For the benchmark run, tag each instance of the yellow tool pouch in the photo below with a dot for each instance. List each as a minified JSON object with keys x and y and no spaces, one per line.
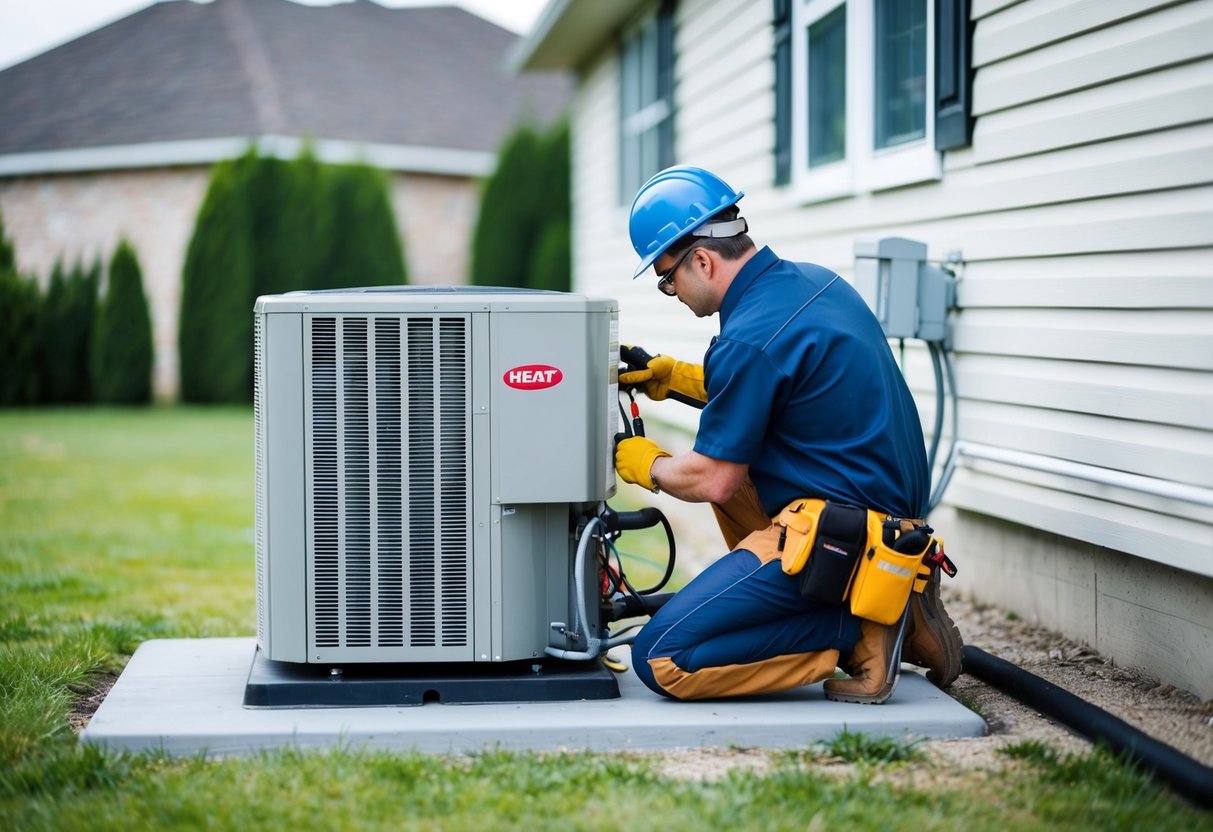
{"x":799,"y":528}
{"x":886,"y":575}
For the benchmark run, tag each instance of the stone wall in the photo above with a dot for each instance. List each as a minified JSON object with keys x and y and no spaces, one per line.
{"x":82,"y":216}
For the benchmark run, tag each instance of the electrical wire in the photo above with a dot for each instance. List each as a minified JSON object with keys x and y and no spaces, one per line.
{"x":949,"y":467}
{"x":593,"y":643}
{"x":623,"y":585}
{"x":936,"y":433}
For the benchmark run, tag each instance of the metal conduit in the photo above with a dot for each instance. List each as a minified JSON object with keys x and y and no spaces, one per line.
{"x":1105,"y":476}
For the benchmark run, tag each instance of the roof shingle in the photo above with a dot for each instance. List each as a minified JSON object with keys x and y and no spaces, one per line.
{"x":177,"y":70}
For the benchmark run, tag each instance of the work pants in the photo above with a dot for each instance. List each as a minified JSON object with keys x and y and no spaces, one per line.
{"x":741,"y":626}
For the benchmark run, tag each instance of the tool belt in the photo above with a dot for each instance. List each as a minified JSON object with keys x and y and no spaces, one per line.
{"x":849,"y":554}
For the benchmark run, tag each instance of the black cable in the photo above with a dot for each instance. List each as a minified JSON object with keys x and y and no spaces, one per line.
{"x":626,"y":433}
{"x":1189,"y":777}
{"x":669,"y":564}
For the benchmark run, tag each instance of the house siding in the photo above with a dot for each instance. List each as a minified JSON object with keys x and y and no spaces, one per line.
{"x":82,"y":216}
{"x":1084,"y":213}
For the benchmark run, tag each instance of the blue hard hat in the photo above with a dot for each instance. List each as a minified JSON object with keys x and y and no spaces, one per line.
{"x":672,"y":204}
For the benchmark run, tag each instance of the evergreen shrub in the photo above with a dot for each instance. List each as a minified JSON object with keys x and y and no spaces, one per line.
{"x":507,"y":225}
{"x":69,"y":309}
{"x":20,"y":330}
{"x":551,"y":264}
{"x":20,"y":353}
{"x":300,"y":243}
{"x":121,"y":352}
{"x":365,"y":248}
{"x":522,"y":235}
{"x":215,"y":335}
{"x":269,"y":226}
{"x":56,"y":373}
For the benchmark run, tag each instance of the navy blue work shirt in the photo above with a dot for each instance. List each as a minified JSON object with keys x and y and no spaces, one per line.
{"x":802,"y":387}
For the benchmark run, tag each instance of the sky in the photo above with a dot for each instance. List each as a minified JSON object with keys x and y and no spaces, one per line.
{"x":29,"y":27}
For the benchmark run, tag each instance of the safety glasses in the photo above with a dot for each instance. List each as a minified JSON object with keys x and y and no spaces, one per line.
{"x":665,"y":280}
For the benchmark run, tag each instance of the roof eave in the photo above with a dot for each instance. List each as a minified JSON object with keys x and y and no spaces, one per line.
{"x":395,"y":157}
{"x":568,"y":32}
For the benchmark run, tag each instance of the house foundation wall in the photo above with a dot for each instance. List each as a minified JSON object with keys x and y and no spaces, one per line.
{"x":1136,"y":612}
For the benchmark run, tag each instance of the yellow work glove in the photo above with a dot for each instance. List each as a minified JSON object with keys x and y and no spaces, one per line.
{"x":634,"y":458}
{"x":664,"y":376}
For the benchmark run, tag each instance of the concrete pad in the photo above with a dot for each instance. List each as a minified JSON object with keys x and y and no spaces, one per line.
{"x":184,"y":696}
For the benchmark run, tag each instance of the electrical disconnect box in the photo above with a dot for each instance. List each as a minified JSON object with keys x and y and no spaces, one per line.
{"x":910,"y":296}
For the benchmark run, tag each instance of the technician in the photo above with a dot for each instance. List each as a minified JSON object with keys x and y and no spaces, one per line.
{"x":803,"y":400}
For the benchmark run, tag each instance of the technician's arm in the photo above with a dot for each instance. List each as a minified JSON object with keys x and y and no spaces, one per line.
{"x":697,"y":478}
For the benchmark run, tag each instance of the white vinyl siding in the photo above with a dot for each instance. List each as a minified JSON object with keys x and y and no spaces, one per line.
{"x":1084,"y":212}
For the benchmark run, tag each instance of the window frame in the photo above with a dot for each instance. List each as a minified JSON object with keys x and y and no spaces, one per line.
{"x":863,"y":169}
{"x":656,"y":117}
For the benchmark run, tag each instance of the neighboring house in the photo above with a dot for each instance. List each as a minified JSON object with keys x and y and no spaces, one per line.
{"x":1065,"y":149}
{"x":114,"y":134}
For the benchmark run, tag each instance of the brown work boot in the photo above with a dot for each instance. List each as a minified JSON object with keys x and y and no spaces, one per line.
{"x":872,"y":674}
{"x":932,"y":640}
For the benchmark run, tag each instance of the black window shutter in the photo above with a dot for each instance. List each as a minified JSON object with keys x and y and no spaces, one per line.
{"x":665,"y":81}
{"x":783,"y":91}
{"x":953,"y":75}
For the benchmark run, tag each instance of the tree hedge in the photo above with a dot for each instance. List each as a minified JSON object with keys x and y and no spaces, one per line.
{"x":8,"y":257}
{"x":68,"y":311}
{"x":121,"y":350}
{"x":365,"y":248}
{"x":56,"y":373}
{"x":215,"y":334}
{"x":263,"y":182}
{"x":304,"y":228}
{"x":20,"y":321}
{"x":507,"y":224}
{"x":551,"y":264}
{"x":269,"y":226}
{"x":522,"y":235}
{"x":20,"y":330}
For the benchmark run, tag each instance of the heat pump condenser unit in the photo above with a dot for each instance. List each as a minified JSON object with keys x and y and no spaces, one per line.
{"x":422,"y":454}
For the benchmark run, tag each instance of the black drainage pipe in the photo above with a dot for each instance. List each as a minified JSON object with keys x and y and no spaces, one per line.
{"x":1189,"y":777}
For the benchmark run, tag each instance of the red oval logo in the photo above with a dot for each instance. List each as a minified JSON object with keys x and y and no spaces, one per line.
{"x":532,"y":377}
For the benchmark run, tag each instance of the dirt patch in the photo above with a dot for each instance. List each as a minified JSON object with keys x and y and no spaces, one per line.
{"x":1172,"y":716}
{"x":88,"y":700}
{"x":1166,"y":713}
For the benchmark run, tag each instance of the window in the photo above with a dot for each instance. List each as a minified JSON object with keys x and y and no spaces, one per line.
{"x":828,"y":89}
{"x":862,"y":96}
{"x":901,"y":72}
{"x":646,"y":99}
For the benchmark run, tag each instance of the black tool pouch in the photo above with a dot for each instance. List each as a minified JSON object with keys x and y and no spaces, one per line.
{"x":842,"y":535}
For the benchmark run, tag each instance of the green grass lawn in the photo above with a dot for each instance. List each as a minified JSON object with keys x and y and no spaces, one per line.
{"x":120,"y":526}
